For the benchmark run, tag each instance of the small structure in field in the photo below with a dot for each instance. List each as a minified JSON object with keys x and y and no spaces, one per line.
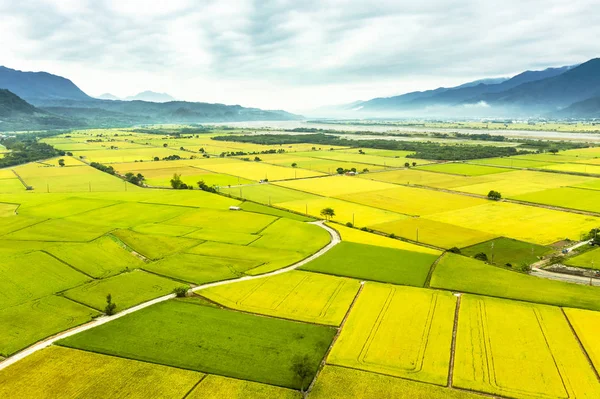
{"x":235,"y":208}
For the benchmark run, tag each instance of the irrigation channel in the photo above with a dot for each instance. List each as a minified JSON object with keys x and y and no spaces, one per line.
{"x":335,"y":239}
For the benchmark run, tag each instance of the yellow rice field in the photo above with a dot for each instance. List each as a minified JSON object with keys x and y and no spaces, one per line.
{"x":586,"y":325}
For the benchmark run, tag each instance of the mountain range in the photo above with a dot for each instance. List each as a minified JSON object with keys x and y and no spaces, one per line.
{"x":147,"y":95}
{"x":55,"y":98}
{"x":565,"y":92}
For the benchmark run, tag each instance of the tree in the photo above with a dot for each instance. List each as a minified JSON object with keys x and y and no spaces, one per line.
{"x":165,"y":145}
{"x":414,"y":164}
{"x":406,"y":165}
{"x":494,"y":195}
{"x":454,"y":250}
{"x":156,"y":158}
{"x":110,"y":306}
{"x":553,"y":151}
{"x":328,"y":213}
{"x":294,"y":165}
{"x":205,"y":187}
{"x":302,"y":369}
{"x":257,"y":159}
{"x":349,"y":224}
{"x":61,"y":162}
{"x":365,"y":170}
{"x":340,"y":171}
{"x":176,"y":182}
{"x":201,"y":150}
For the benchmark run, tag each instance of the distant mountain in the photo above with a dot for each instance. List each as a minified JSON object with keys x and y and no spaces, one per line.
{"x":17,"y":114}
{"x":34,"y":86}
{"x":107,"y":96}
{"x":151,"y":96}
{"x":575,"y":85}
{"x":589,"y":108}
{"x":469,"y":92}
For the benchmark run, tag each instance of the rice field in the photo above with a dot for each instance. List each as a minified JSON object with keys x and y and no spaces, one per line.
{"x":224,"y":342}
{"x":587,"y":260}
{"x":541,"y":360}
{"x":257,"y":171}
{"x":505,"y":251}
{"x":336,"y":185}
{"x":586,"y":325}
{"x":566,"y":197}
{"x":463,"y":169}
{"x":368,"y":262}
{"x":462,"y":274}
{"x":296,"y":295}
{"x":217,"y":387}
{"x":69,"y":373}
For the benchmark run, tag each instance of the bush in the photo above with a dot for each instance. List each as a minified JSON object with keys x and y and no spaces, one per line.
{"x":392,"y":235}
{"x":349,"y":224}
{"x":494,"y":195}
{"x":454,"y":250}
{"x":180,"y":292}
{"x":481,"y":256}
{"x":110,"y":306}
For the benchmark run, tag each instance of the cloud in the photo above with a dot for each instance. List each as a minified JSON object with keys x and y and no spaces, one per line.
{"x":290,"y":54}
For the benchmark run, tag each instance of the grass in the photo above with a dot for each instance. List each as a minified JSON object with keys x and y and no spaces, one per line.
{"x":349,"y":234}
{"x":100,"y":258}
{"x":244,"y":222}
{"x":463,"y":169}
{"x":29,"y":276}
{"x":587,"y":260}
{"x":129,"y":214}
{"x":399,"y":331}
{"x":200,"y":269}
{"x":11,"y":186}
{"x":537,"y":225}
{"x":341,"y":383}
{"x":587,"y":324}
{"x":70,"y":373}
{"x":505,"y":251}
{"x":229,"y":237}
{"x":63,"y":207}
{"x":25,"y":324}
{"x":127,"y":290}
{"x":459,"y":273}
{"x":211,"y":340}
{"x":295,"y":295}
{"x":164,"y":229}
{"x":443,"y":235}
{"x":566,"y":197}
{"x":519,"y":350}
{"x":369,"y":262}
{"x":154,"y":246}
{"x":217,"y":387}
{"x":59,"y":230}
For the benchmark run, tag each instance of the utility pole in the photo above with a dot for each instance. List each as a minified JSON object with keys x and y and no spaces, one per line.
{"x":492,"y":252}
{"x":306,"y":209}
{"x":352,"y":218}
{"x":417,"y":234}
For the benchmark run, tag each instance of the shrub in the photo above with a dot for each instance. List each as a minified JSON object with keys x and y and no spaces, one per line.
{"x":454,"y":250}
{"x":349,"y":224}
{"x":110,"y":306}
{"x":180,"y":292}
{"x":481,"y":256}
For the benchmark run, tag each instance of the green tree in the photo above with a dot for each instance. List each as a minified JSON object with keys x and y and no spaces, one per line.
{"x":406,"y":165}
{"x":165,"y":145}
{"x":494,"y":195}
{"x":180,"y":292}
{"x":294,"y":165}
{"x":110,"y":306}
{"x":302,"y":370}
{"x":61,"y":162}
{"x":340,"y":171}
{"x":176,"y":182}
{"x":328,"y":213}
{"x":481,"y":256}
{"x":414,"y":164}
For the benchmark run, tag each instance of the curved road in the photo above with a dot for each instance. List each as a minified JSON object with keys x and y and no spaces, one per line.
{"x":335,"y":239}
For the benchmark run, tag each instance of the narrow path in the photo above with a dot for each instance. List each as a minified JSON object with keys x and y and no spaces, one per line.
{"x":335,"y":239}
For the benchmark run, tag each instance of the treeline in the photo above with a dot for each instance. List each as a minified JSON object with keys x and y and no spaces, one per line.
{"x":422,"y":150}
{"x":25,"y":149}
{"x":176,"y":131}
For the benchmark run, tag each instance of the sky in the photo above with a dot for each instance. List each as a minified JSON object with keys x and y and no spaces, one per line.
{"x":292,"y":55}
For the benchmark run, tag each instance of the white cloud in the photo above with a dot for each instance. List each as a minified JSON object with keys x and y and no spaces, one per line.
{"x":289,"y":54}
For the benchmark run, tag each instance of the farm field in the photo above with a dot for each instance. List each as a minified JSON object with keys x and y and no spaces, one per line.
{"x":62,"y":372}
{"x":512,"y":162}
{"x":543,"y":359}
{"x":463,"y":169}
{"x":387,"y":265}
{"x":587,"y":260}
{"x":224,"y":342}
{"x":417,"y":177}
{"x":462,"y":274}
{"x":399,"y":331}
{"x":256,"y":171}
{"x":498,"y":218}
{"x":503,"y":251}
{"x":342,"y":382}
{"x":11,"y":185}
{"x":328,"y":166}
{"x":217,"y":387}
{"x":296,"y":295}
{"x":267,"y":194}
{"x":368,"y":159}
{"x":335,"y":185}
{"x":586,"y":324}
{"x":566,"y":197}
{"x":574,"y":167}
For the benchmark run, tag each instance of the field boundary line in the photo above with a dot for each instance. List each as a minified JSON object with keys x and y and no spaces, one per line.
{"x":453,"y":344}
{"x":195,"y":386}
{"x":587,"y":356}
{"x":21,"y":180}
{"x":432,"y":269}
{"x":334,"y":340}
{"x":68,"y":265}
{"x":335,"y":239}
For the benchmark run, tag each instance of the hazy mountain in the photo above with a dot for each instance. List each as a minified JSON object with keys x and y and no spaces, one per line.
{"x":468,"y":92}
{"x":151,"y":96}
{"x":575,"y":85}
{"x":589,"y":108}
{"x":17,"y":114}
{"x":34,"y":86}
{"x":107,"y":96}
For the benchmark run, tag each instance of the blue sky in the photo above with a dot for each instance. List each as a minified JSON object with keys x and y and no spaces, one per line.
{"x":293,"y":55}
